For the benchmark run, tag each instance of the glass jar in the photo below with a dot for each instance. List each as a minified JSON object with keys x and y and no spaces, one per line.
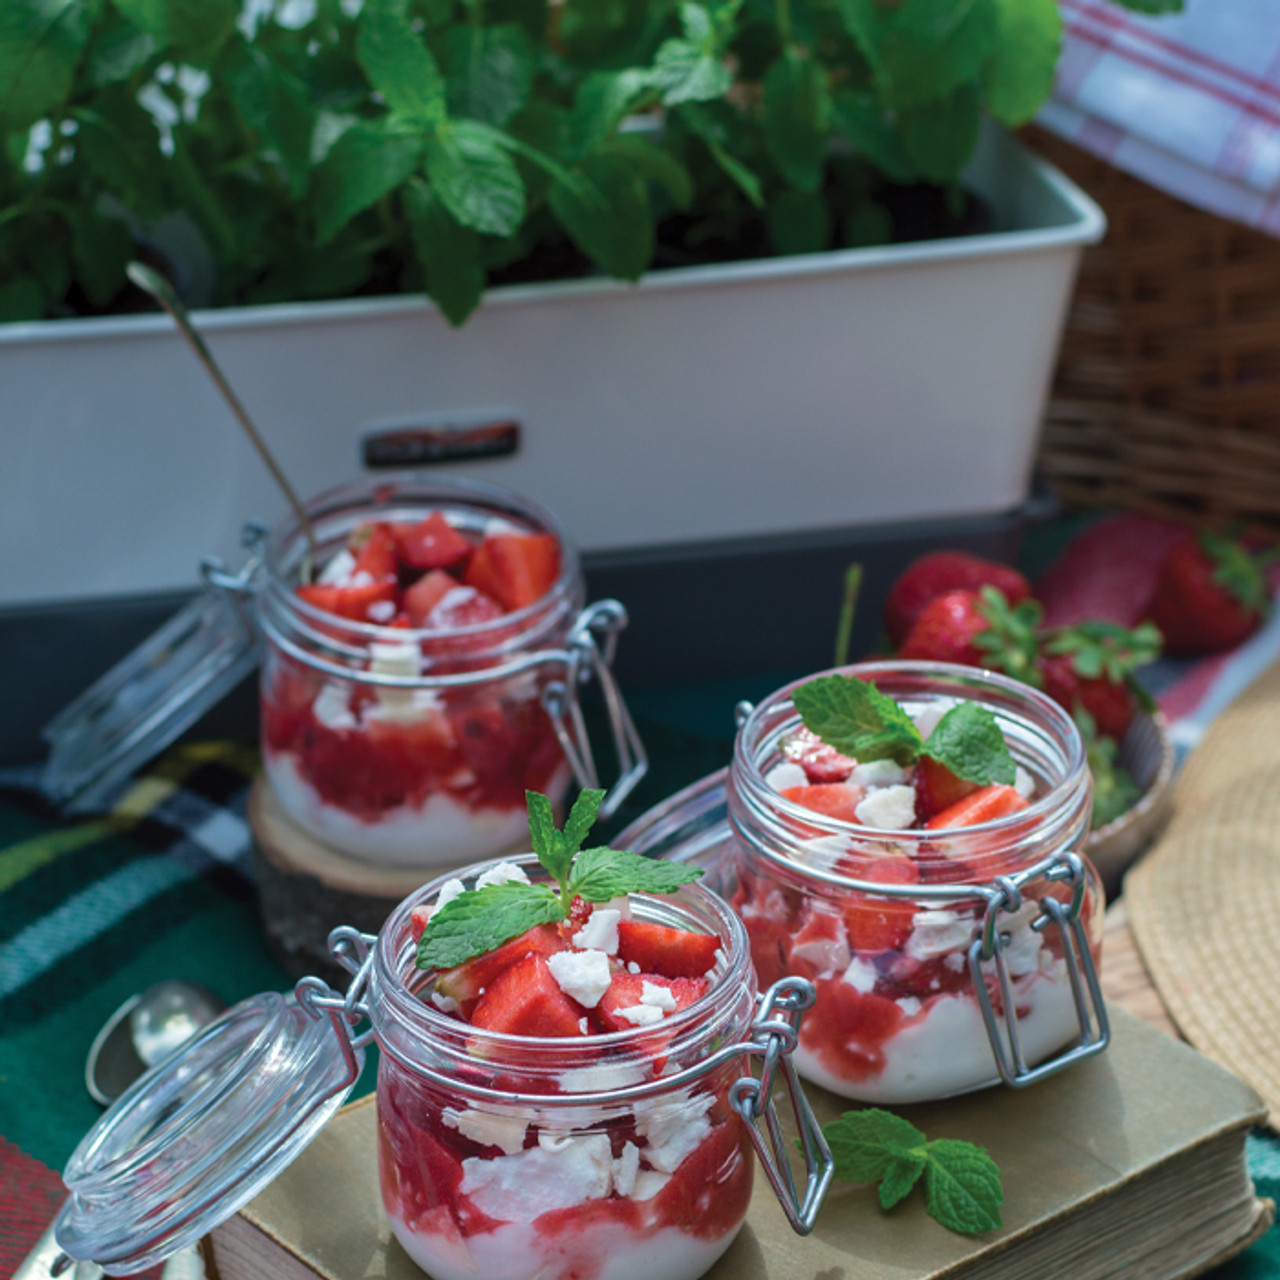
{"x":415,"y":747}
{"x":943,"y":960}
{"x":623,"y":1155}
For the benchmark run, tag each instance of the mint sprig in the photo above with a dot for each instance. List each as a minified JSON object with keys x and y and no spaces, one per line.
{"x":855,"y":718}
{"x":478,"y":920}
{"x":962,"y":1186}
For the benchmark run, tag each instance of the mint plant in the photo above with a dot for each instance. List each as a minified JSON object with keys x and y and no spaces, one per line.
{"x":323,"y":148}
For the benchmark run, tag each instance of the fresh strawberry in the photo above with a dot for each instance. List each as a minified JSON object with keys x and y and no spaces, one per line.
{"x":374,"y":547}
{"x":880,"y":924}
{"x":984,"y":805}
{"x":516,"y":569}
{"x":832,"y":799}
{"x":1211,"y":595}
{"x":418,"y":918}
{"x":426,"y":593}
{"x":625,"y":990}
{"x":937,"y":787}
{"x":432,"y":543}
{"x":821,"y":763}
{"x":463,"y":607}
{"x":937,"y":573}
{"x":977,"y":629}
{"x":674,"y":953}
{"x":363,"y":601}
{"x":466,"y":981}
{"x":1090,"y":667}
{"x":525,"y":1000}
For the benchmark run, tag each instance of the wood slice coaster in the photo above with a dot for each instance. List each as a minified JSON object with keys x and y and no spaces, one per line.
{"x":306,"y":888}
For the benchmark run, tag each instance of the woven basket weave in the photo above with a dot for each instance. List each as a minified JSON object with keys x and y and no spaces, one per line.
{"x":1167,"y":394}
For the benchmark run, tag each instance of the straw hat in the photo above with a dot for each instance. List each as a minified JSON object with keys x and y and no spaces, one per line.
{"x":1204,"y":905}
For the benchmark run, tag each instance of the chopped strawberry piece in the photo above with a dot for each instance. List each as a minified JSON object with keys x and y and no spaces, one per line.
{"x":418,"y":918}
{"x":674,"y":953}
{"x":516,"y":569}
{"x":525,"y":1000}
{"x":937,"y":788}
{"x":625,"y":990}
{"x":432,"y":543}
{"x":359,"y":601}
{"x":421,"y":598}
{"x":377,"y":556}
{"x":880,"y":924}
{"x":463,"y":607}
{"x":984,"y":805}
{"x":833,"y":799}
{"x":469,"y":979}
{"x":820,"y":762}
{"x":821,"y":945}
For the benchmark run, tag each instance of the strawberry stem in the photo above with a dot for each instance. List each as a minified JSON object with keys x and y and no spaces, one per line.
{"x":848,"y":609}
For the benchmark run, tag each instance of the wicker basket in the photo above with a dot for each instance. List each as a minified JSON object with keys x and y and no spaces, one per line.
{"x":1167,"y":394}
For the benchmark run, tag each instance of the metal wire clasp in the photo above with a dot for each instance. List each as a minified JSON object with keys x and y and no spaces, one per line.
{"x":987,"y":953}
{"x":353,"y":950}
{"x":774,"y":1035}
{"x":589,"y":650}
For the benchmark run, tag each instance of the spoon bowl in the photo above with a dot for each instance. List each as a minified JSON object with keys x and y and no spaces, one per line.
{"x":144,"y":1030}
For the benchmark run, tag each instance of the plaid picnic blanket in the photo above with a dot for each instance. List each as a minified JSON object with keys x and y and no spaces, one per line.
{"x":95,"y":910}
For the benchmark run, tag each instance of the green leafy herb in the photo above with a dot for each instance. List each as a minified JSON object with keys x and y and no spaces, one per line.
{"x":855,"y":718}
{"x":1114,"y":790}
{"x":478,"y":920}
{"x":961,"y":1181}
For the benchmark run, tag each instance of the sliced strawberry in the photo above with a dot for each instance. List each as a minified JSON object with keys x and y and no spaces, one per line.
{"x":464,"y":606}
{"x":467,"y":980}
{"x":834,"y":799}
{"x":880,"y":924}
{"x":432,"y":543}
{"x":821,"y":763}
{"x":821,"y":945}
{"x":525,"y":1000}
{"x":674,"y":953}
{"x":359,"y":600}
{"x":625,"y":990}
{"x":418,"y":918}
{"x":516,"y":569}
{"x":937,"y":788}
{"x":421,"y":598}
{"x":377,"y":554}
{"x":984,"y":805}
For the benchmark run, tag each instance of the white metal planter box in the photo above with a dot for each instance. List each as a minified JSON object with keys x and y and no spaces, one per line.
{"x":790,"y":394}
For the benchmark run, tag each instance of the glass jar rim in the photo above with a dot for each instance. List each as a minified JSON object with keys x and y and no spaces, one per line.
{"x":284,"y":547}
{"x":392,"y":999}
{"x":765,"y":724}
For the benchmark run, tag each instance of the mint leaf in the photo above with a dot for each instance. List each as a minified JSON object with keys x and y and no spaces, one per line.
{"x":601,"y":874}
{"x":855,"y":718}
{"x":101,"y":246}
{"x":962,"y":1186}
{"x":188,"y":28}
{"x":1019,"y":76}
{"x":400,"y":66}
{"x":490,"y":72}
{"x":703,"y":125}
{"x":366,"y":163}
{"x":476,"y":178}
{"x":938,"y":137}
{"x":902,"y":1174}
{"x":448,"y":254}
{"x":799,"y":222}
{"x":866,"y":1144}
{"x":481,"y":919}
{"x":275,"y":106}
{"x":968,"y":741}
{"x":861,"y":119}
{"x":601,"y":102}
{"x":40,"y":45}
{"x":797,"y":110}
{"x":607,"y":215}
{"x":654,"y":165}
{"x":581,"y":819}
{"x":547,"y":842}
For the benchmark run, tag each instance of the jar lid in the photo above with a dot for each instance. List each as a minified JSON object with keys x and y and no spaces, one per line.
{"x":201,"y":1133}
{"x":148,"y":698}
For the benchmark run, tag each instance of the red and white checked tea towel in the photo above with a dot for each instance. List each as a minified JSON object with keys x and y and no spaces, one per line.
{"x":1189,"y":102}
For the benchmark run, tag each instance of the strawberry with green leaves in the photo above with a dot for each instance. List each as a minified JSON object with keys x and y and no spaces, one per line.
{"x":1212,"y":594}
{"x":977,"y":629}
{"x":523,"y":958}
{"x":937,"y":573}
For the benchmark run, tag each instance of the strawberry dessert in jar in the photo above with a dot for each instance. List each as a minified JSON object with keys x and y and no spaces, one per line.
{"x":423,"y":672}
{"x":907,"y":836}
{"x":581,"y":1105}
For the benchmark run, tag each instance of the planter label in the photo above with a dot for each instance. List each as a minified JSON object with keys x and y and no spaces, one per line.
{"x":419,"y":445}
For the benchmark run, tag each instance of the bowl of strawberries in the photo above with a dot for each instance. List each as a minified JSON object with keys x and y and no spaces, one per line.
{"x":950,"y":606}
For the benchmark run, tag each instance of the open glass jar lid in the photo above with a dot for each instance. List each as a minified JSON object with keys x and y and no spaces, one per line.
{"x":198,"y":1136}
